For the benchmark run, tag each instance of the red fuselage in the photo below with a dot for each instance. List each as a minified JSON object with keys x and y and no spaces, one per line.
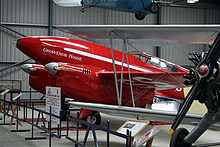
{"x":85,"y":71}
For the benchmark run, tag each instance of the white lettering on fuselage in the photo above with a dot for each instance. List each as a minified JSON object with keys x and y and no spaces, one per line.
{"x":58,"y":53}
{"x":54,"y":52}
{"x":74,"y":57}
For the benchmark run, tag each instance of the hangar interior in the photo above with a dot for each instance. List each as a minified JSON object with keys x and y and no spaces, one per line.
{"x":39,"y":18}
{"x":32,"y":18}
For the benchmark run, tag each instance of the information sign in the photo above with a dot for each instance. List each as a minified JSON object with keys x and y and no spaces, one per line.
{"x":146,"y":137}
{"x":53,"y":100}
{"x":135,"y":126}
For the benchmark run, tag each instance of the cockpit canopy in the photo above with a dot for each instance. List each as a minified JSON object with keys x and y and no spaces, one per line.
{"x":146,"y":58}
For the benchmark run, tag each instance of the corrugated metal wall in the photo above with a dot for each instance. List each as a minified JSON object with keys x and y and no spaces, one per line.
{"x":178,"y":15}
{"x":34,"y":13}
{"x":26,"y":12}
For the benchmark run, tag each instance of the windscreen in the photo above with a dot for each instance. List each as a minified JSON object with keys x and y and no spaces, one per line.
{"x":157,"y":62}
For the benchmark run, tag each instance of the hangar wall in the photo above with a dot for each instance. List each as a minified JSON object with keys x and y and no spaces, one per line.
{"x":179,"y":15}
{"x":31,"y":17}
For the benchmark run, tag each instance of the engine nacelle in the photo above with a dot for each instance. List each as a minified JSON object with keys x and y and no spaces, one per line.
{"x":39,"y":77}
{"x":79,"y":81}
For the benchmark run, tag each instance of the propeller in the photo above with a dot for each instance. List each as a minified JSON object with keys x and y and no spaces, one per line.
{"x":204,"y":80}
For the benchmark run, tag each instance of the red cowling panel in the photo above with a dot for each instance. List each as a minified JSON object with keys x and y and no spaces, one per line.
{"x":177,"y":93}
{"x":40,"y":78}
{"x":78,"y":82}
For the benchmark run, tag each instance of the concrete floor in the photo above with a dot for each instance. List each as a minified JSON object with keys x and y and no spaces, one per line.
{"x":11,"y":139}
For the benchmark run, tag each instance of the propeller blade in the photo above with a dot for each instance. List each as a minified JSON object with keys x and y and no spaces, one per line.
{"x":188,"y":102}
{"x":214,"y":53}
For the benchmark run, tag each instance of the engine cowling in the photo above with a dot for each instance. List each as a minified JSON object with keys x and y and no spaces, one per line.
{"x":77,"y":81}
{"x":39,"y":77}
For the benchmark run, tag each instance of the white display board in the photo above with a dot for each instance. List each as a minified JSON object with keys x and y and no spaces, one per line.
{"x":146,"y":137}
{"x":53,"y":99}
{"x":135,"y":126}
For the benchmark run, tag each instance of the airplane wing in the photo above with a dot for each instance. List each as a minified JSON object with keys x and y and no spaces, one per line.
{"x":141,"y":113}
{"x":158,"y":80}
{"x":163,"y":35}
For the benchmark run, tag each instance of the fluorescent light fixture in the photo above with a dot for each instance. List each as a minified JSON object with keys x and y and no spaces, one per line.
{"x":68,"y":3}
{"x":192,"y":1}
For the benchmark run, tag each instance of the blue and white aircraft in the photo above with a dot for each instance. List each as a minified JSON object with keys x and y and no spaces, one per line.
{"x":139,"y":7}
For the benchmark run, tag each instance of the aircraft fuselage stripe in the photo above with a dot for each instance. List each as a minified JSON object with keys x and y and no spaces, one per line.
{"x":104,"y":59}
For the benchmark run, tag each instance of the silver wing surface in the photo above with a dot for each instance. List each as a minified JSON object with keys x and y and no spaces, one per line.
{"x":151,"y":35}
{"x":141,"y":113}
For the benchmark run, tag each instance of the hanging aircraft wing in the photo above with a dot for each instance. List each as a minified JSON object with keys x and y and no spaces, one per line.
{"x":141,"y":113}
{"x":151,"y":35}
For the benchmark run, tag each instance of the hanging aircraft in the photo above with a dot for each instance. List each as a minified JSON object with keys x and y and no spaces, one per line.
{"x":93,"y":74}
{"x":139,"y":7}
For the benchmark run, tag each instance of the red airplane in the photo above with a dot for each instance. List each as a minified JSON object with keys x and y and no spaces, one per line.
{"x":84,"y":71}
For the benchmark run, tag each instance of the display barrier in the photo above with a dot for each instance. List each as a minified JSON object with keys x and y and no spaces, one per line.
{"x":27,"y":105}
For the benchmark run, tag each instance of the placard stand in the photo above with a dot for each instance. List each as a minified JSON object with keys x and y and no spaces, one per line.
{"x":134,"y":126}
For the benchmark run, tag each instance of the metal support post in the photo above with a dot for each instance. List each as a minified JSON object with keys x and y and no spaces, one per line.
{"x":86,"y":135}
{"x":127,"y":139}
{"x":158,"y":48}
{"x":4,"y":110}
{"x":50,"y":23}
{"x":122,"y":67}
{"x":108,"y":133}
{"x":132,"y":95}
{"x":32,"y":127}
{"x":26,"y":116}
{"x":38,"y":118}
{"x":50,"y":133}
{"x":113,"y":62}
{"x":30,"y":97}
{"x":94,"y":136}
{"x":16,"y":114}
{"x":67,"y":127}
{"x":77,"y":129}
{"x":60,"y":129}
{"x":24,"y":108}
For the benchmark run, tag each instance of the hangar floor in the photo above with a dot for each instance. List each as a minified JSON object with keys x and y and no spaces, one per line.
{"x":10,"y":139}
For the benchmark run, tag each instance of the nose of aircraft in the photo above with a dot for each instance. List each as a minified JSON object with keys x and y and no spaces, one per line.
{"x":28,"y":68}
{"x":30,"y":46}
{"x":52,"y":67}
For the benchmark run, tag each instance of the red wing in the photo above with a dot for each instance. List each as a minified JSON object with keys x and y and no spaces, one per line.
{"x":158,"y":80}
